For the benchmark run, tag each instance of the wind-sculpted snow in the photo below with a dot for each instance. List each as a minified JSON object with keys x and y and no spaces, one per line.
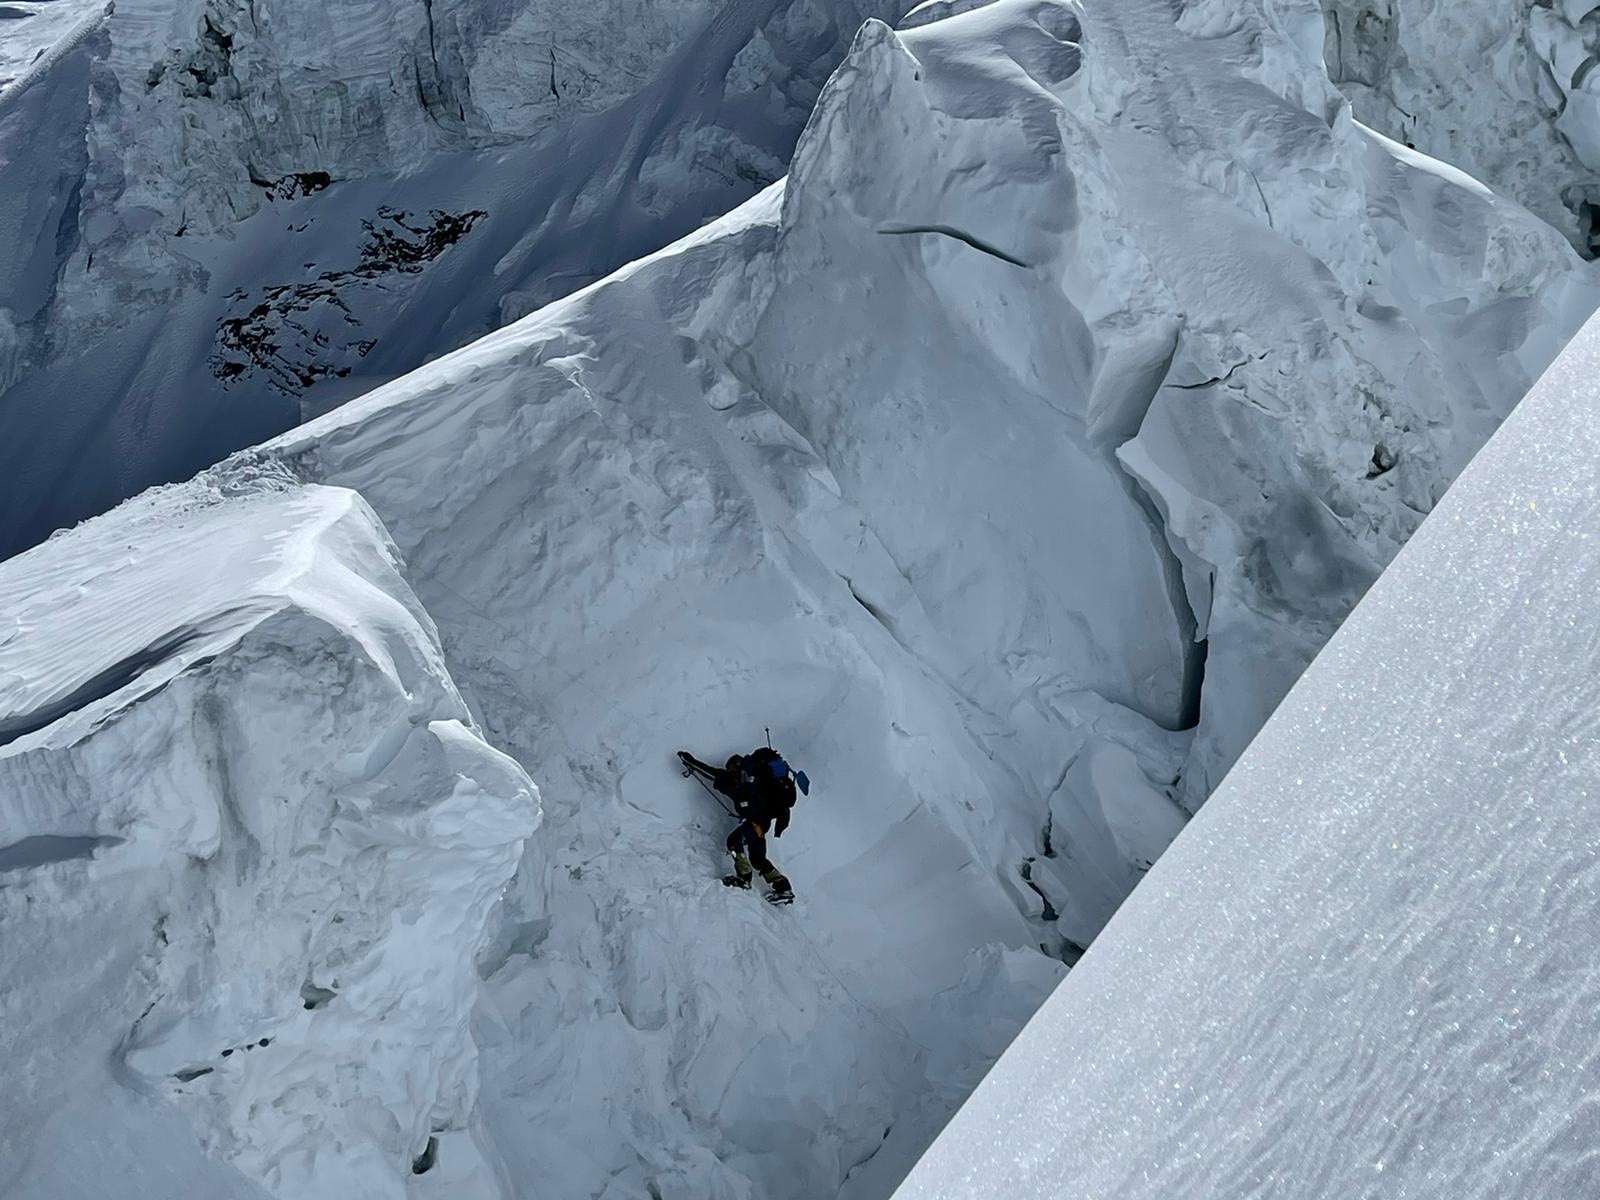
{"x":1290,"y":374}
{"x":249,"y":842}
{"x":1365,"y":968}
{"x":178,"y":168}
{"x":620,"y":570}
{"x":1011,"y":462}
{"x":1505,"y":91}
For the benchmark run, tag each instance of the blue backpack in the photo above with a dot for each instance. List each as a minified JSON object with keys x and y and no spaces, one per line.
{"x":773,"y":762}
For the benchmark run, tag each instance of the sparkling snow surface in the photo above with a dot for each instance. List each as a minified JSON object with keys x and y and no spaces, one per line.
{"x":1366,"y":969}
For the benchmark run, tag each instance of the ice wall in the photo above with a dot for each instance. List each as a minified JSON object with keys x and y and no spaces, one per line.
{"x":1364,"y":968}
{"x":249,"y":843}
{"x":1010,"y":462}
{"x":1504,"y":90}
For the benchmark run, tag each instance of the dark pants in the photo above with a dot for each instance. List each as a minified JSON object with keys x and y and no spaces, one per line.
{"x":748,"y":846}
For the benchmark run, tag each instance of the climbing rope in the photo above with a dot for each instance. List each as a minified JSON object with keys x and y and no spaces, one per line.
{"x":890,"y":1022}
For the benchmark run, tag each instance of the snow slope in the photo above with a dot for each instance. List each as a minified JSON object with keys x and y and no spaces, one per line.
{"x":220,"y":209}
{"x":620,"y":570}
{"x":33,"y":27}
{"x":1505,"y":91}
{"x":249,"y":841}
{"x":1010,"y":461}
{"x":1365,"y":968}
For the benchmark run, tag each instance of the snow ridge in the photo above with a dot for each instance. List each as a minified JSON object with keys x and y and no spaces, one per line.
{"x":204,"y":167}
{"x":1013,"y":551}
{"x":1066,"y":531}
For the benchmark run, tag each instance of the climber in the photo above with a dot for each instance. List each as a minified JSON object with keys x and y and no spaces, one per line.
{"x":762,"y":788}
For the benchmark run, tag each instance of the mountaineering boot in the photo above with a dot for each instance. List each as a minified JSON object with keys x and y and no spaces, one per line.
{"x":782,"y":892}
{"x":742,"y":871}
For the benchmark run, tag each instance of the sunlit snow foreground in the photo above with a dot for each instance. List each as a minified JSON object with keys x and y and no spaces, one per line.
{"x":1367,"y":968}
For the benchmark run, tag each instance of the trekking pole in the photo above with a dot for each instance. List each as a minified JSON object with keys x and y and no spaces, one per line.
{"x":768,"y":729}
{"x":720,"y":802}
{"x":690,"y":773}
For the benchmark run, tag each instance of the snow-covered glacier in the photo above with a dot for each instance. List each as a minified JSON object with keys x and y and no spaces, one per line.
{"x":1010,"y":460}
{"x":219,"y":210}
{"x":249,"y":844}
{"x":1009,"y":490}
{"x":1504,"y":90}
{"x":1365,"y":968}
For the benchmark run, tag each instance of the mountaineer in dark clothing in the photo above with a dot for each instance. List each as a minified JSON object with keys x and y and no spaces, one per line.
{"x":761,"y":787}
